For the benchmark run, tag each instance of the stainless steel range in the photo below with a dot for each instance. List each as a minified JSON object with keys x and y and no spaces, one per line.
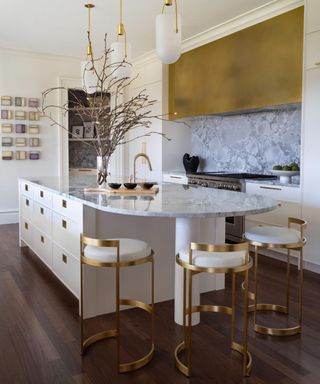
{"x":232,"y":182}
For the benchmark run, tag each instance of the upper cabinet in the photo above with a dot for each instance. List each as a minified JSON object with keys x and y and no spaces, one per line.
{"x":257,"y":67}
{"x":312,"y":16}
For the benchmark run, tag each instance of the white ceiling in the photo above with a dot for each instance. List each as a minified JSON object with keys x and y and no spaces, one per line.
{"x":59,"y":26}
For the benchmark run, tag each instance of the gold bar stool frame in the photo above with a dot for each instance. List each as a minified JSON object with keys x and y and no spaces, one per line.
{"x":191,"y":267}
{"x":117,"y":263}
{"x":297,"y":243}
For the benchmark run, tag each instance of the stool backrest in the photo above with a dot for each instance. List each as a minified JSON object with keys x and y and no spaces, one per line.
{"x":301,"y":223}
{"x":84,"y":240}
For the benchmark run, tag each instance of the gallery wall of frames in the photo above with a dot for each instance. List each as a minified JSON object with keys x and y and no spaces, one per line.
{"x":20,"y":128}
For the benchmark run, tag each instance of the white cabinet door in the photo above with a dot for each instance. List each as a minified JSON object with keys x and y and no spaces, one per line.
{"x":42,"y":196}
{"x":26,"y":207}
{"x":42,"y":218}
{"x":313,"y":50}
{"x":26,"y":189}
{"x":42,"y":246}
{"x":312,"y":15}
{"x":67,"y":207}
{"x":26,"y":231}
{"x":66,"y":233}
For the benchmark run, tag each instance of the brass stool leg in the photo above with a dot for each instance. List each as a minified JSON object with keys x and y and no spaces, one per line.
{"x":189,"y":357}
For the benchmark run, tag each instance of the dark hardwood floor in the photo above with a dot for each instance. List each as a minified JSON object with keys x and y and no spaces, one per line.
{"x":39,"y":333}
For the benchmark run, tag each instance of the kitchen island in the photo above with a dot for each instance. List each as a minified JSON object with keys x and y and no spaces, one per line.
{"x":54,"y":212}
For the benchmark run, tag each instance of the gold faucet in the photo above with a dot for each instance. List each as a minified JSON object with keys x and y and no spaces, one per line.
{"x":134,"y":163}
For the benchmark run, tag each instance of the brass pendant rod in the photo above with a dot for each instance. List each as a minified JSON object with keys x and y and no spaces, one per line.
{"x":168,"y":3}
{"x":89,"y":48}
{"x":122,"y":31}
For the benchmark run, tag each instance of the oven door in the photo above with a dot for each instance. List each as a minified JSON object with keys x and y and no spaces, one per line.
{"x":234,"y":228}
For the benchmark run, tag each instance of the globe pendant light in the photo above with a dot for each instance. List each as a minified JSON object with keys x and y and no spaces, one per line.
{"x":168,"y":34}
{"x":89,"y":78}
{"x":121,"y":52}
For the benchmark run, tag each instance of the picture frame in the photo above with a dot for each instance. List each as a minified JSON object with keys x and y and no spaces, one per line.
{"x":33,"y":102}
{"x":20,"y":101}
{"x":88,"y":128}
{"x":6,"y":101}
{"x":21,"y":128}
{"x":34,"y":142}
{"x":34,"y":116}
{"x":20,"y":115}
{"x":21,"y":155}
{"x":7,"y":155}
{"x":77,"y":132}
{"x":7,"y":141}
{"x":34,"y":129}
{"x":34,"y":155}
{"x":21,"y":142}
{"x":6,"y":114}
{"x":6,"y":128}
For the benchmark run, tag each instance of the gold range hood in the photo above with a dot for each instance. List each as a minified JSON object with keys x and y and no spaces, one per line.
{"x":256,"y":68}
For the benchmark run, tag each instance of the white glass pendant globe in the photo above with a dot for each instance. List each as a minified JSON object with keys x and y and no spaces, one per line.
{"x":89,"y":79}
{"x":117,"y":57}
{"x":168,"y":41}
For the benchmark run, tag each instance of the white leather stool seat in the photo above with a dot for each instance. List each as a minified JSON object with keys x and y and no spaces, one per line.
{"x":273,"y":235}
{"x":130,"y":249}
{"x":214,"y":259}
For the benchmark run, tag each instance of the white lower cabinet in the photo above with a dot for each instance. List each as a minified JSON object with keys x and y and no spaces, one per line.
{"x":26,"y":230}
{"x":42,"y":218}
{"x":67,"y":268}
{"x":42,"y":246}
{"x":66,"y":232}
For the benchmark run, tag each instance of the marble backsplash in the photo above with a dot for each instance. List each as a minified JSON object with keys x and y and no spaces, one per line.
{"x":249,"y":142}
{"x":81,"y":155}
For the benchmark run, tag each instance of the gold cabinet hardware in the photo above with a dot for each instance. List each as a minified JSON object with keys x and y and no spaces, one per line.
{"x":42,"y":211}
{"x":64,"y":258}
{"x":27,"y":202}
{"x":272,"y":188}
{"x":26,"y":187}
{"x":42,"y":239}
{"x":64,"y":224}
{"x":175,"y":177}
{"x":317,"y":63}
{"x":64,"y":203}
{"x":41,"y":193}
{"x":26,"y":226}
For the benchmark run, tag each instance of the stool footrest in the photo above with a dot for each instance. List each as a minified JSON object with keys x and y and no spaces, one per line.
{"x":97,"y":337}
{"x":211,"y":308}
{"x":277,"y":331}
{"x":269,"y":307}
{"x":134,"y":365}
{"x":137,"y":304}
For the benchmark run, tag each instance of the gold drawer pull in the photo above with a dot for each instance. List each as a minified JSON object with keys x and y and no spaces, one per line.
{"x":64,"y":258}
{"x":272,"y":188}
{"x":41,"y":194}
{"x":176,"y":177}
{"x":26,"y":187}
{"x":42,"y":211}
{"x":42,"y":239}
{"x":27,"y":203}
{"x":64,"y":203}
{"x":64,"y":224}
{"x":26,"y":226}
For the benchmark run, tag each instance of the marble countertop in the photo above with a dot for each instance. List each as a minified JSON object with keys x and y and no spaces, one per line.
{"x":294,"y":184}
{"x":173,"y":200}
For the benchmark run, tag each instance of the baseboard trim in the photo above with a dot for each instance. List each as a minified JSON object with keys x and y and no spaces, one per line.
{"x":9,"y":217}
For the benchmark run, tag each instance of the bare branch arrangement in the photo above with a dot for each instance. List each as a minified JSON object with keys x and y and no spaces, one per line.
{"x":109,"y":107}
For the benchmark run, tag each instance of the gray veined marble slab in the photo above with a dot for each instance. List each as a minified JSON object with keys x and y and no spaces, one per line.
{"x":173,"y":200}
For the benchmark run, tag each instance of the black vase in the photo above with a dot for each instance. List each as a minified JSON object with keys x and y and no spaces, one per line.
{"x":190,"y":163}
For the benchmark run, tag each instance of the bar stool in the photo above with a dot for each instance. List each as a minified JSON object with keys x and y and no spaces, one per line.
{"x":270,"y":237}
{"x":118,"y":253}
{"x":210,"y":258}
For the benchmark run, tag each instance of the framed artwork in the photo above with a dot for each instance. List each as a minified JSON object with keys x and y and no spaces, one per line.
{"x":20,"y":101}
{"x":20,"y":115}
{"x":6,"y":128}
{"x":21,"y":155}
{"x":34,"y":129}
{"x":7,"y":155}
{"x":7,"y":141}
{"x":6,"y":101}
{"x":34,"y":155}
{"x":21,"y":128}
{"x":77,"y":131}
{"x":33,"y":103}
{"x":88,"y":130}
{"x":34,"y":142}
{"x":21,"y":142}
{"x":34,"y":116}
{"x":6,"y":115}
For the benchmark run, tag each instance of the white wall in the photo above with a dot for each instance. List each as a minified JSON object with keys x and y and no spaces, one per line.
{"x":27,"y":75}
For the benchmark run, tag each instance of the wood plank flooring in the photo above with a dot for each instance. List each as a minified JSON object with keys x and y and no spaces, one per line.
{"x":39,"y":333}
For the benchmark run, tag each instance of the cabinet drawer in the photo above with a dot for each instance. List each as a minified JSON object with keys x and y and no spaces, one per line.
{"x":66,"y":233}
{"x":42,"y":196}
{"x":26,"y":207}
{"x":277,"y":192}
{"x":26,"y":189}
{"x":68,"y":208}
{"x":26,"y":231}
{"x":42,"y":218}
{"x":313,"y":50}
{"x":42,"y":246}
{"x":67,"y":268}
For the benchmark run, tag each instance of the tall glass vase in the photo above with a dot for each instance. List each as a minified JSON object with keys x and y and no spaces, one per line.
{"x":102,"y":170}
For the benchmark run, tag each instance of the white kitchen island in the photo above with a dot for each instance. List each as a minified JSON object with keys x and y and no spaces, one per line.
{"x":54,"y":212}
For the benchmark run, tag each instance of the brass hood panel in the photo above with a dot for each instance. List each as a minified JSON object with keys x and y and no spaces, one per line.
{"x":257,"y":67}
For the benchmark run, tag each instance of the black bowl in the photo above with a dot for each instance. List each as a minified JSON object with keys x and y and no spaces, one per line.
{"x":147,"y":185}
{"x":114,"y":185}
{"x":130,"y":185}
